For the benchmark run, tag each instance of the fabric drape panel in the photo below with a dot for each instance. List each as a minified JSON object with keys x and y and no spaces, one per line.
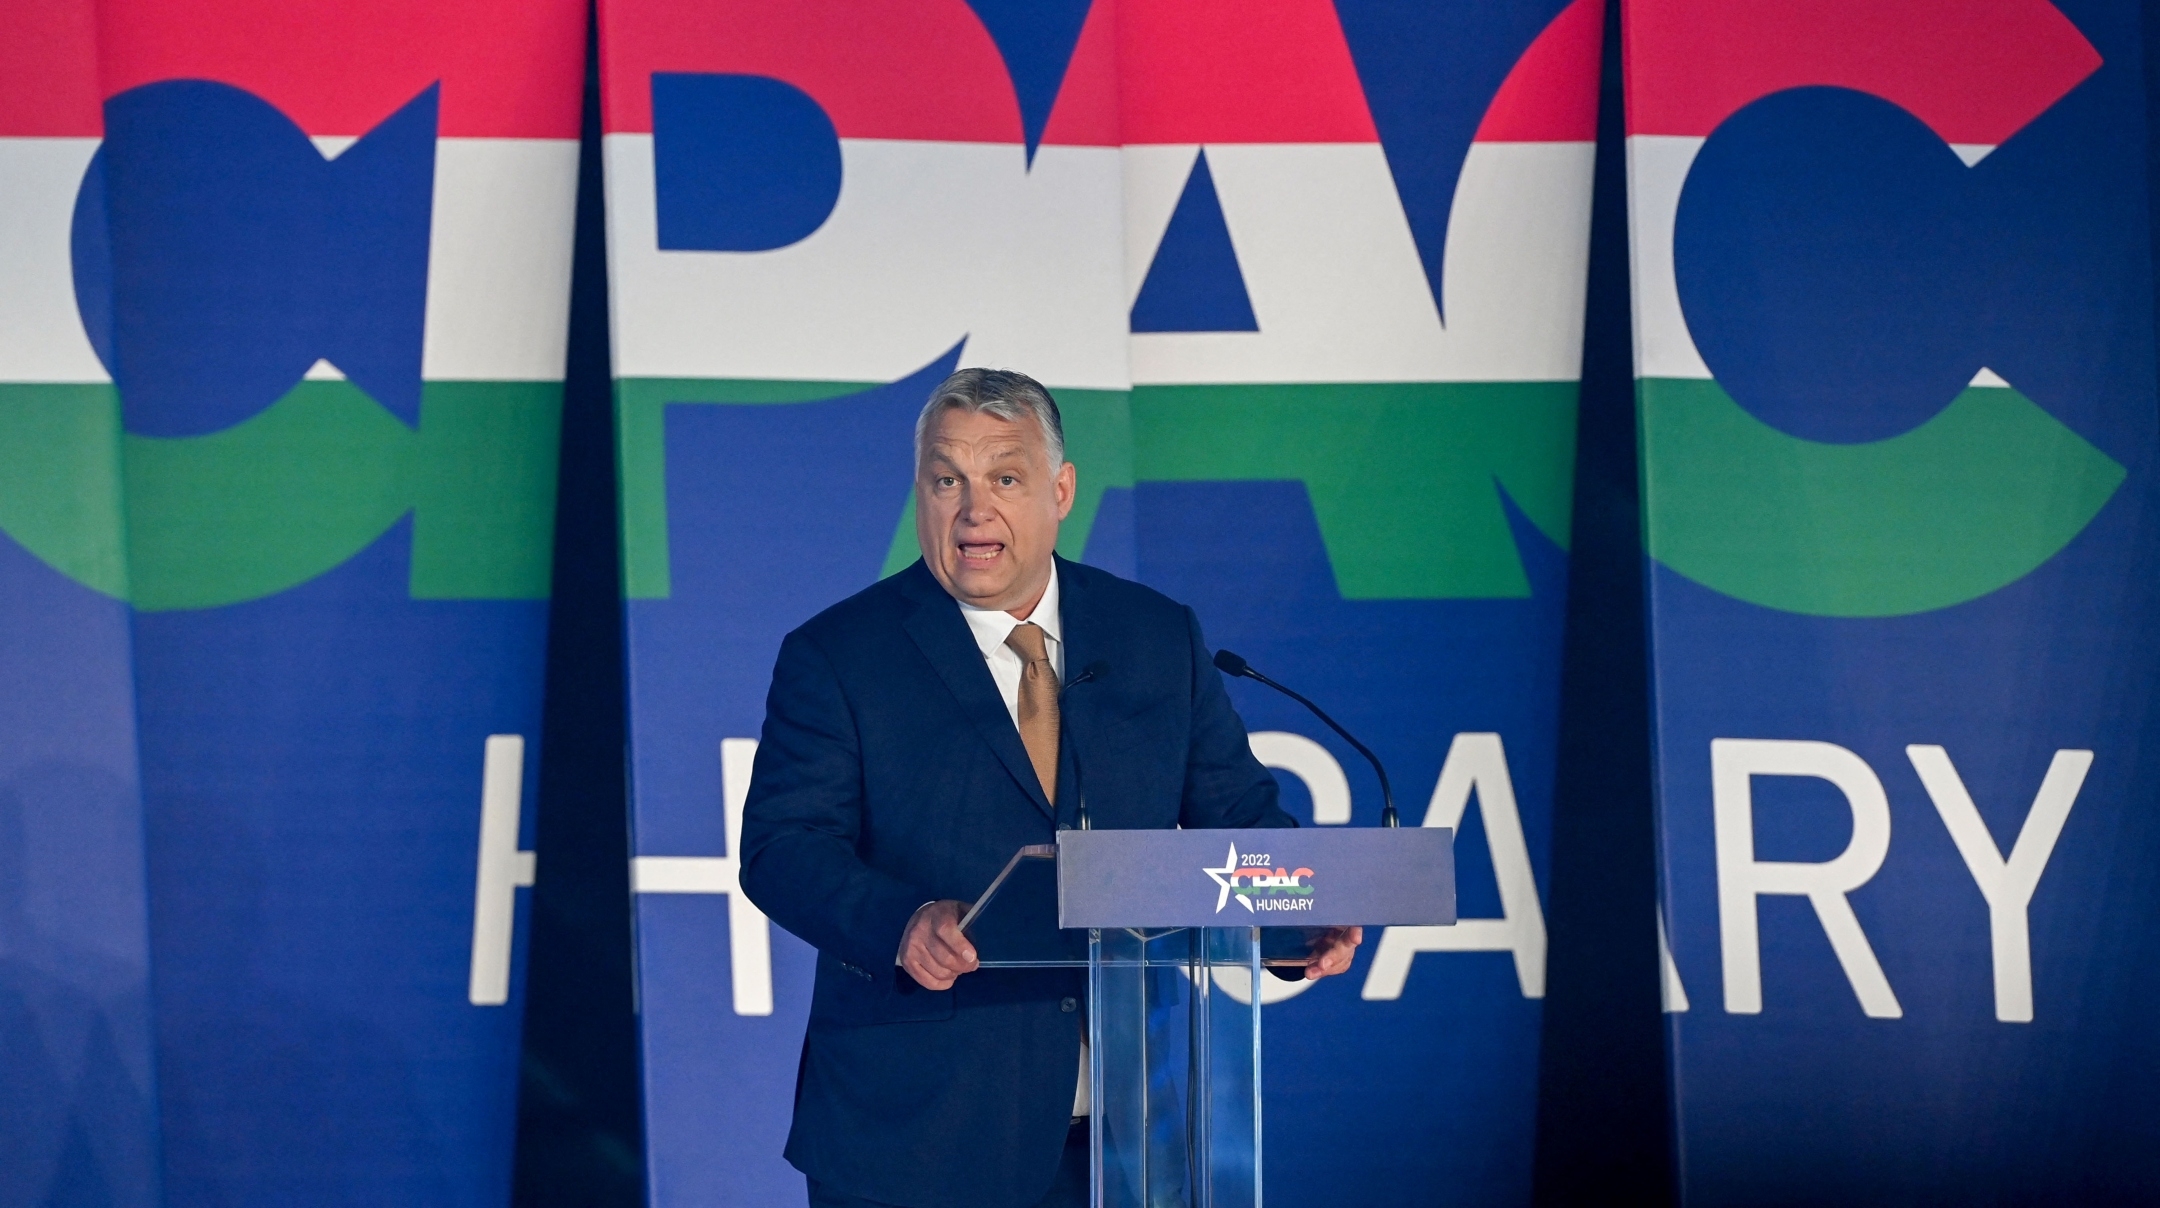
{"x":282,"y":403}
{"x":1308,"y":287}
{"x":1893,"y":320}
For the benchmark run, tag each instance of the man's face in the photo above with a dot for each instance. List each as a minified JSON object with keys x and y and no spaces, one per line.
{"x":987,"y":507}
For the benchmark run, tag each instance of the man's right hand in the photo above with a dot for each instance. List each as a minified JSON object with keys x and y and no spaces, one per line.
{"x":933,"y":950}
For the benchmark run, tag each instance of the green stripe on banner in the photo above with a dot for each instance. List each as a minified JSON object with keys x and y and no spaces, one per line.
{"x":483,"y":490}
{"x":288,"y":494}
{"x":1970,"y":501}
{"x":1381,"y":460}
{"x":1405,"y":478}
{"x":60,"y":480}
{"x":1097,"y":441}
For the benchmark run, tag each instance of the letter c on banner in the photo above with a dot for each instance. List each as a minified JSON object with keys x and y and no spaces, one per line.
{"x":1831,"y":469}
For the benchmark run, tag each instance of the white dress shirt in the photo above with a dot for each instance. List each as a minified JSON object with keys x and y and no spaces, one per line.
{"x":991,"y":627}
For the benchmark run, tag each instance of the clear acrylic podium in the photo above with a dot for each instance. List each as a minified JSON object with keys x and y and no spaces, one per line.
{"x":1174,"y":1005}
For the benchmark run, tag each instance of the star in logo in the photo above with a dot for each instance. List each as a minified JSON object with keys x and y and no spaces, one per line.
{"x":1223,"y":877}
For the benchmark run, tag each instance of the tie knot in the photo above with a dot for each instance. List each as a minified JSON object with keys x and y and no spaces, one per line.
{"x":1027,"y":639}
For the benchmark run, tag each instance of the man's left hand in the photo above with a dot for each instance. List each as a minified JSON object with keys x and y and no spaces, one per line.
{"x":1332,"y":950}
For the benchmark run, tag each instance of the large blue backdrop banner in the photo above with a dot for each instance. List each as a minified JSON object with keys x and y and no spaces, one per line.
{"x":1894,"y":326}
{"x":282,"y":313}
{"x":1308,"y":286}
{"x":285,"y":292}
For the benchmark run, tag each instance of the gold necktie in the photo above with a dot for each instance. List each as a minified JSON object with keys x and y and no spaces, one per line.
{"x":1038,"y":703}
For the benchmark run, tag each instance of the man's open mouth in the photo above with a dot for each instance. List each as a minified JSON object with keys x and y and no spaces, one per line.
{"x":981,"y":551}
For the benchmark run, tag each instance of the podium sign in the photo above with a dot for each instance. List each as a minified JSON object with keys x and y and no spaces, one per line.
{"x":1178,"y":928}
{"x":1304,"y":877}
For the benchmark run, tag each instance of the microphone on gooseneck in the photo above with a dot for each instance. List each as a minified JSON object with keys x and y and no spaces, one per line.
{"x":1092,"y":672}
{"x":1234,"y":665}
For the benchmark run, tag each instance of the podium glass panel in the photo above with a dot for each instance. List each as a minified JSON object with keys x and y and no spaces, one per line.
{"x":1174,"y":1064}
{"x":1173,"y":1057}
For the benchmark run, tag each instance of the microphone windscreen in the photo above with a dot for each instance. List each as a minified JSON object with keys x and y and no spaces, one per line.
{"x":1230,"y":664}
{"x":1096,"y":670}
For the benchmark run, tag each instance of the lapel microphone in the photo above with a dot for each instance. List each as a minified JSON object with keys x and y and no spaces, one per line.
{"x":1235,"y":665}
{"x":1094,"y":671}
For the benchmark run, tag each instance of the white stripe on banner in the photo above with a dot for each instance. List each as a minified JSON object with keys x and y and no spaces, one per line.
{"x":498,"y":259}
{"x":929,"y":243}
{"x":1657,"y":170}
{"x":1334,"y":277}
{"x":41,"y":338}
{"x":498,"y":302}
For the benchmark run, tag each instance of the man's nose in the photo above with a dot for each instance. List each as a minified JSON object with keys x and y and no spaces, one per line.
{"x":974,"y":506}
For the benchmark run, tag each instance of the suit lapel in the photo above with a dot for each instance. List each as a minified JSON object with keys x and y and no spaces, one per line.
{"x":1076,"y":620}
{"x":1083,"y":643}
{"x":944,"y":638}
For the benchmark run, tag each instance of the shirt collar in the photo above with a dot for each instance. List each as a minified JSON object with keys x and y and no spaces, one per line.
{"x":992,"y":626}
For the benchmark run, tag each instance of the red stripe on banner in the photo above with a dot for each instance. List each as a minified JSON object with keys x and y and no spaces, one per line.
{"x":1229,"y":71}
{"x":1974,"y":70}
{"x":1086,"y":113}
{"x":1551,"y":95}
{"x":48,"y":70}
{"x":898,"y":69}
{"x":508,"y":68}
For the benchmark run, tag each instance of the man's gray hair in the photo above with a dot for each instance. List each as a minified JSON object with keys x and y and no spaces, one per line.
{"x":999,"y":392}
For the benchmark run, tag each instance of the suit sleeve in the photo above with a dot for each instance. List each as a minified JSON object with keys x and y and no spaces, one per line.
{"x":804,"y":817}
{"x":1225,"y":786}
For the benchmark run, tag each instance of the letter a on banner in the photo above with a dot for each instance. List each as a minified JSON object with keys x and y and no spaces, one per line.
{"x":1475,"y":763}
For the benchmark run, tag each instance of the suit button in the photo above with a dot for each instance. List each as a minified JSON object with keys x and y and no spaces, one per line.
{"x":1068,"y":1004}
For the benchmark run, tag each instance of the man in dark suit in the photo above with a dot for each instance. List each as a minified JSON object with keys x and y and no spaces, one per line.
{"x":915,"y":738}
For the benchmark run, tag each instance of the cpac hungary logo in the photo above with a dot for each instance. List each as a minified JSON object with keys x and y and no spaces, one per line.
{"x":1254,"y":882}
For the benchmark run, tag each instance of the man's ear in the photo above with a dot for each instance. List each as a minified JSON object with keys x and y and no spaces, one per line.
{"x":1068,"y":488}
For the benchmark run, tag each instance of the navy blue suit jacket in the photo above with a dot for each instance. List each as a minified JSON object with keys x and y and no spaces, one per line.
{"x":890,"y":775}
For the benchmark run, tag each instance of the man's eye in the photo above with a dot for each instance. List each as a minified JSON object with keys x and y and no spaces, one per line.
{"x":947,"y":482}
{"x":1007,"y":480}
